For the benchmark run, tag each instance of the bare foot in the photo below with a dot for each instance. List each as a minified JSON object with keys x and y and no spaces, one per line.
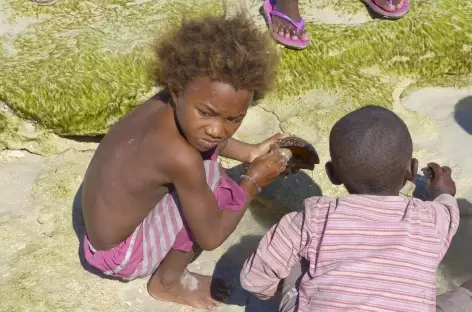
{"x":285,"y":28}
{"x":195,"y":290}
{"x":387,"y":6}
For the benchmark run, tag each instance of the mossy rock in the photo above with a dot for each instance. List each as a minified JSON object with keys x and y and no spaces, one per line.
{"x":16,"y":134}
{"x":78,"y":66}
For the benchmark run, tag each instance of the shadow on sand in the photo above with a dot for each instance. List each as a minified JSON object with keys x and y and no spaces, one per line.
{"x":455,"y":266}
{"x":229,"y":267}
{"x":456,"y":263}
{"x":284,"y":195}
{"x":463,"y":114}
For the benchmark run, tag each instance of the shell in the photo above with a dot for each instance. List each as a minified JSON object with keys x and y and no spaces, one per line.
{"x":298,"y":153}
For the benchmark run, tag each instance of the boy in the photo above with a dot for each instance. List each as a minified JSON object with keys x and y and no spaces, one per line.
{"x":371,"y":250}
{"x":164,"y":153}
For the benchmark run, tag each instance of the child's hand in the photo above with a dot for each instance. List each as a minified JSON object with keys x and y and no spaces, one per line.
{"x":264,"y":169}
{"x":264,"y":147}
{"x":442,"y":182}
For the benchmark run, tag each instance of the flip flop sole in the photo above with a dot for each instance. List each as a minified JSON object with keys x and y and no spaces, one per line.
{"x":393,"y":15}
{"x":44,"y":2}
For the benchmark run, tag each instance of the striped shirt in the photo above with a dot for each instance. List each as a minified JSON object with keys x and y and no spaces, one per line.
{"x":365,"y":253}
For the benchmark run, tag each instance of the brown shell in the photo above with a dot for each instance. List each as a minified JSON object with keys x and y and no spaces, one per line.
{"x":429,"y":173}
{"x":304,"y":155}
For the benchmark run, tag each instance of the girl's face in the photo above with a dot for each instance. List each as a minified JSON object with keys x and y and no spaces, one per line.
{"x":210,"y":112}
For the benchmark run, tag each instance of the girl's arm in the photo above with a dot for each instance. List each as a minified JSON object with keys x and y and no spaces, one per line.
{"x":209,"y":225}
{"x":245,"y":152}
{"x":237,"y":150}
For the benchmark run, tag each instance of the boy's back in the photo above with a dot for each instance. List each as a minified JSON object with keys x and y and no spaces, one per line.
{"x":371,"y":250}
{"x":365,"y":253}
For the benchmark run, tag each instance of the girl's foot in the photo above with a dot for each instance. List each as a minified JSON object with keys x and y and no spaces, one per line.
{"x":195,"y":290}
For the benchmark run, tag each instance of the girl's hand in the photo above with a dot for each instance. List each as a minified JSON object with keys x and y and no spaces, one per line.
{"x":264,"y":169}
{"x":264,"y":147}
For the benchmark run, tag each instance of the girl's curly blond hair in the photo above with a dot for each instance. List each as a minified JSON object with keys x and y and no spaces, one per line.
{"x":231,"y":50}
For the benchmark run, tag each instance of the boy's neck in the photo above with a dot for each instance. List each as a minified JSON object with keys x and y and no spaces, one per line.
{"x":384,"y":193}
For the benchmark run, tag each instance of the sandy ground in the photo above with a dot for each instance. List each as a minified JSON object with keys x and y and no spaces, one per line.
{"x":39,"y":211}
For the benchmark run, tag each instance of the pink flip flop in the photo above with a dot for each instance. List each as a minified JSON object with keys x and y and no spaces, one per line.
{"x":269,"y":11}
{"x":395,"y":14}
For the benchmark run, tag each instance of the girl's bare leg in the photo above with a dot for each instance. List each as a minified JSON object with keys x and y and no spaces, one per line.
{"x":173,"y":282}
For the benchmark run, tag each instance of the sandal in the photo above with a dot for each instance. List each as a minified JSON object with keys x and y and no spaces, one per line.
{"x":269,"y":11}
{"x":395,"y":14}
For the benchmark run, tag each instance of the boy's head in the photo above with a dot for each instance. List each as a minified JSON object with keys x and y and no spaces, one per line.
{"x":371,"y":152}
{"x":215,"y":68}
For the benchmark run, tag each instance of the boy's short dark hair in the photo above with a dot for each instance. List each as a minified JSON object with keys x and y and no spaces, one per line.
{"x":231,"y":50}
{"x":371,"y":148}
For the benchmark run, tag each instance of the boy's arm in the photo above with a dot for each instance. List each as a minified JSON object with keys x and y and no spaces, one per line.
{"x":445,"y":208}
{"x":446,"y":217}
{"x":278,"y":251}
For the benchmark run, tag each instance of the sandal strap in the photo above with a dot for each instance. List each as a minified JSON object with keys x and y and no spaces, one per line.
{"x":298,"y":25}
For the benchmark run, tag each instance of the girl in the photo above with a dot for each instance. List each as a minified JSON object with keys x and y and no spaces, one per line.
{"x":153,"y":193}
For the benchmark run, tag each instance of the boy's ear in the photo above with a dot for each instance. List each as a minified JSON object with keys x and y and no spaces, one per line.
{"x":332,"y":175}
{"x":412,"y":171}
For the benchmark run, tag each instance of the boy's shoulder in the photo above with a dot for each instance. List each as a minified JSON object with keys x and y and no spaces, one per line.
{"x":318,"y":207}
{"x":319,"y":201}
{"x":428,"y":204}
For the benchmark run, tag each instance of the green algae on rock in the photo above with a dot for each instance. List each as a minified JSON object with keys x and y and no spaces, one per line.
{"x":80,"y":65}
